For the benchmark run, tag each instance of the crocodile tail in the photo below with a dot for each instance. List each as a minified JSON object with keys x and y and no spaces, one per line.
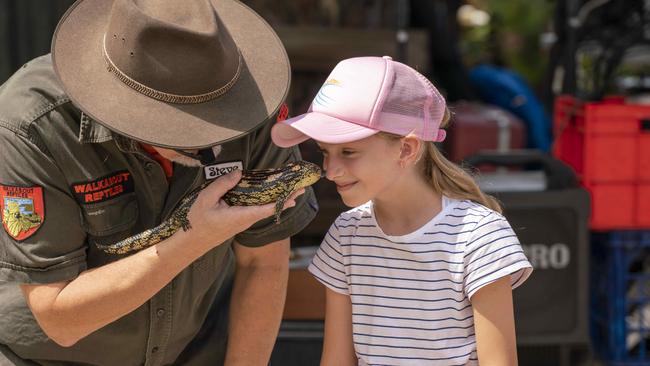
{"x":134,"y":243}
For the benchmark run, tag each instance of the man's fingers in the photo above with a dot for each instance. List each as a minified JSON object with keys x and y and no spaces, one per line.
{"x":215,"y":190}
{"x":296,"y":194}
{"x":291,"y":201}
{"x":251,"y":214}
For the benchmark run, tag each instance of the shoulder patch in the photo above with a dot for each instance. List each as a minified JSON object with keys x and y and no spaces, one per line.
{"x":103,"y":188}
{"x":23,"y":210}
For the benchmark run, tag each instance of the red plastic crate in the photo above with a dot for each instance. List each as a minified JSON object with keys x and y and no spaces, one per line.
{"x":608,"y":144}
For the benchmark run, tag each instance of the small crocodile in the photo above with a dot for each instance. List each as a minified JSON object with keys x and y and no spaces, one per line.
{"x":256,"y":187}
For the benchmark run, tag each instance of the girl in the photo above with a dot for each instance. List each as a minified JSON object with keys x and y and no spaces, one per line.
{"x":421,"y":271}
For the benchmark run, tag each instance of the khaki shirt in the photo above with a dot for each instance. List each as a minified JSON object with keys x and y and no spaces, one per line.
{"x":87,"y":186}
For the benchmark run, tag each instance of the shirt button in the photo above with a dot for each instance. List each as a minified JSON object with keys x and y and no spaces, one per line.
{"x":148,"y":166}
{"x":154,"y":350}
{"x":160,"y":312}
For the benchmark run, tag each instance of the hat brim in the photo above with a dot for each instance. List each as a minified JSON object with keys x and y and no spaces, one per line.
{"x":257,"y":95}
{"x":320,"y":127}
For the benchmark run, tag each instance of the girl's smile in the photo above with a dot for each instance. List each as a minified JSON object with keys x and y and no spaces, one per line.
{"x":362,"y":170}
{"x":344,"y":187}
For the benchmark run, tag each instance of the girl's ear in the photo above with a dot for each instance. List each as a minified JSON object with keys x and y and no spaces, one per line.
{"x":410,"y":149}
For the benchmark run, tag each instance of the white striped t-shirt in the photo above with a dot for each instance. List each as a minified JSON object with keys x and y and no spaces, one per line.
{"x":411,"y":294}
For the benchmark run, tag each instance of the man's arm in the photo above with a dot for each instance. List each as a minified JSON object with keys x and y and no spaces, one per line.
{"x":257,"y":302}
{"x":69,"y":311}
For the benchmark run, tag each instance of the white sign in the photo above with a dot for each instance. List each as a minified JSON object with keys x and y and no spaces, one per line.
{"x":554,"y":256}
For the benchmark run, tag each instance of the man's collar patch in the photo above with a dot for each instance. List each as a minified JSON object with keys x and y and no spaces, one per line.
{"x":23,"y":210}
{"x":283,"y":113}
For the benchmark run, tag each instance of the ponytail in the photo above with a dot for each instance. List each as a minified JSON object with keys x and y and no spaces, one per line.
{"x":450,"y":179}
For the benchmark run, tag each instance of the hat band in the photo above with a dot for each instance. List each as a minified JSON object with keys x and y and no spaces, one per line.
{"x":168,"y":97}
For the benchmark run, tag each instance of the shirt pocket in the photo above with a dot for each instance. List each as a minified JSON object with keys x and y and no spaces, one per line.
{"x":112,"y":219}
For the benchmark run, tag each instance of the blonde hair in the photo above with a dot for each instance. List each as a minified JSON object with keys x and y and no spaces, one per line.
{"x":447,"y":177}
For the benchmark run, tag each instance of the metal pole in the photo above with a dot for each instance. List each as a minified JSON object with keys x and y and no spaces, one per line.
{"x":569,"y":84}
{"x":402,"y":35}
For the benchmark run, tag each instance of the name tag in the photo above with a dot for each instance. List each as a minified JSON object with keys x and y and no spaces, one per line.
{"x":217,"y":170}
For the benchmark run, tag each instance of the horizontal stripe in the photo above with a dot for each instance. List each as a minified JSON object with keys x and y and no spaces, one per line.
{"x":488,"y":243}
{"x":419,"y":348}
{"x":408,"y":288}
{"x":417,"y":328}
{"x":470,"y":288}
{"x":357,"y":236}
{"x":499,"y":219}
{"x":354,"y":218}
{"x":328,"y":283}
{"x":403,"y":268}
{"x":409,"y":308}
{"x":406,"y":279}
{"x":401,"y":259}
{"x":401,"y":250}
{"x":515,"y":246}
{"x":499,"y":259}
{"x":355,"y":225}
{"x":412,"y":338}
{"x":456,"y":225}
{"x":326,"y":263}
{"x":463,"y":216}
{"x":402,"y":317}
{"x":414,"y":358}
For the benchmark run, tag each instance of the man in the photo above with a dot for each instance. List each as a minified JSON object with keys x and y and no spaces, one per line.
{"x":100,"y":142}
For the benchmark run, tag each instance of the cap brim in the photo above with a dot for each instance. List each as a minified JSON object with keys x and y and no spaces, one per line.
{"x":320,"y":127}
{"x":257,"y":95}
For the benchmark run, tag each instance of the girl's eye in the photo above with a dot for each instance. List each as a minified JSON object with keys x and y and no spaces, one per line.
{"x":348,"y":152}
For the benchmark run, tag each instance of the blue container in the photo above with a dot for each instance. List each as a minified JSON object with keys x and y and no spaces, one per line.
{"x":620,"y":297}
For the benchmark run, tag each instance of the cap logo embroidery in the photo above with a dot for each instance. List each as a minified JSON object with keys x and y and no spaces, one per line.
{"x":23,"y":210}
{"x":324,"y":96}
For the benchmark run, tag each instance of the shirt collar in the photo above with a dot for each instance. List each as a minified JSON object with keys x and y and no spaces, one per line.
{"x":92,"y":132}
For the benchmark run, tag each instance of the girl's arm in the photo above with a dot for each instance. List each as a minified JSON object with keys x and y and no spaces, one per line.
{"x":494,"y":324}
{"x":338,"y":349}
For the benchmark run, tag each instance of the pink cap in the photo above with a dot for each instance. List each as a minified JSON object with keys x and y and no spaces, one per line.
{"x":365,"y":95}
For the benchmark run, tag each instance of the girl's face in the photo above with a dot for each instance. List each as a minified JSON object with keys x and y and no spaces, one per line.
{"x":362,"y":170}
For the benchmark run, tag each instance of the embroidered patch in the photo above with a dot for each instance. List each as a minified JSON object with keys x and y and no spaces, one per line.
{"x":283,"y":113}
{"x":23,"y":210}
{"x":104,"y":188}
{"x":217,"y":170}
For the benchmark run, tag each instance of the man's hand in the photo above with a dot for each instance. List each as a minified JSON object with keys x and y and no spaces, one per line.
{"x":213,"y":221}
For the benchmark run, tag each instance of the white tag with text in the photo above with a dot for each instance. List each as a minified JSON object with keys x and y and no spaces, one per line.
{"x":217,"y":170}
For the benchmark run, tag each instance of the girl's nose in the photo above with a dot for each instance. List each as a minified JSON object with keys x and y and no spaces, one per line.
{"x":332,"y":169}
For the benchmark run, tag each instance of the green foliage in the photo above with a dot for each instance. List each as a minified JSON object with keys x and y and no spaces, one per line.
{"x":512,"y":37}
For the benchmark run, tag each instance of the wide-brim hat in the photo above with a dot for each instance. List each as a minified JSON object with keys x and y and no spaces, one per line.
{"x":175,"y":74}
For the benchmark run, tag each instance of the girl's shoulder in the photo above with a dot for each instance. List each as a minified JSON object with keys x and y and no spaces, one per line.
{"x":473,"y":213}
{"x":357,"y":214}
